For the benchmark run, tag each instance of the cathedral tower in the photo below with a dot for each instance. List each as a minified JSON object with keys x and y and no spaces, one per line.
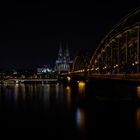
{"x":63,"y":62}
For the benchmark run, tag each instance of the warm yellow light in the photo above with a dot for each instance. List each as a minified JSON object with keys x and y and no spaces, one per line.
{"x":68,"y":78}
{"x":138,"y":118}
{"x":68,"y":96}
{"x":81,"y":84}
{"x":81,"y":87}
{"x":68,"y":88}
{"x":138,"y":91}
{"x":97,"y":69}
{"x":104,"y":67}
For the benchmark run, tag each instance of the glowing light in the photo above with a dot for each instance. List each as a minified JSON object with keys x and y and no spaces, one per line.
{"x":80,"y":118}
{"x":81,"y":87}
{"x":46,"y":95}
{"x":103,"y":50}
{"x":81,"y":83}
{"x":138,"y":118}
{"x":104,"y":67}
{"x":97,"y":69}
{"x":68,"y":78}
{"x":138,"y":91}
{"x":82,"y":70}
{"x":68,"y":96}
{"x":23,"y":92}
{"x":17,"y":81}
{"x":16,"y":90}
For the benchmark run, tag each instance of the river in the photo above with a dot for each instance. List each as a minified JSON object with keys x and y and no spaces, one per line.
{"x":57,"y":110}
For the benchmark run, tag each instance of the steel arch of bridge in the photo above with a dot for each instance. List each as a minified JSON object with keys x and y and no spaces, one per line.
{"x":80,"y":63}
{"x":119,"y":51}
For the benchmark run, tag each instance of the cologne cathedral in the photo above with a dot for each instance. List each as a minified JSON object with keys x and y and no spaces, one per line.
{"x":63,"y":62}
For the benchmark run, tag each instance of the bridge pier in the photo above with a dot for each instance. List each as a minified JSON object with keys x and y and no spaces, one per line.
{"x":113,"y":89}
{"x":105,"y":89}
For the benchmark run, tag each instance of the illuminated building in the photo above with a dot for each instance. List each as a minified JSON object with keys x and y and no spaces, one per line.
{"x":43,"y":69}
{"x":63,"y":62}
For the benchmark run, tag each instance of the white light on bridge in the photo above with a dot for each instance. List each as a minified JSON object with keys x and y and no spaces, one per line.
{"x":104,"y":67}
{"x":115,"y":66}
{"x":17,"y":81}
{"x":97,"y":69}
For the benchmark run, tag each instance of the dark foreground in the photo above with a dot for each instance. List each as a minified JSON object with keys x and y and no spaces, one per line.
{"x":55,"y":111}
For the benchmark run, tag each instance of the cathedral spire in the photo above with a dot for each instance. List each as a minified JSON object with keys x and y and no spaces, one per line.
{"x":60,"y":53}
{"x":63,"y":62}
{"x":67,"y":52}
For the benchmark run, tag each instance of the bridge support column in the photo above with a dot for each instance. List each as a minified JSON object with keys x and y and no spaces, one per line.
{"x":118,"y":59}
{"x":126,"y":53}
{"x":138,"y":50}
{"x":106,"y":61}
{"x":111,"y":55}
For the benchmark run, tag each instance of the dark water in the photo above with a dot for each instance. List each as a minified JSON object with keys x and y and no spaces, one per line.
{"x":56,"y":111}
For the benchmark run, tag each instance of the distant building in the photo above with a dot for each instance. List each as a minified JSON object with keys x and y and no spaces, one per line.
{"x":43,"y":70}
{"x":63,"y":62}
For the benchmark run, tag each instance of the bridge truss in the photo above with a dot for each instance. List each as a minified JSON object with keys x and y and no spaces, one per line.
{"x":117,"y":53}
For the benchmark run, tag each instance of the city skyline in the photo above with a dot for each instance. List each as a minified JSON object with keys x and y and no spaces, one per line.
{"x":30,"y":33}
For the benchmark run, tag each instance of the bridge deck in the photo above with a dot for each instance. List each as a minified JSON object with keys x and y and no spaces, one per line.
{"x":130,"y":77}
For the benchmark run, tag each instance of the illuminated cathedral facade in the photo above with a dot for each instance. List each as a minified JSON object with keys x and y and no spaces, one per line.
{"x":63,"y":62}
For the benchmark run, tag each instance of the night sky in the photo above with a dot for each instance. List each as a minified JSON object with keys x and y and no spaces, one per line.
{"x":30,"y":32}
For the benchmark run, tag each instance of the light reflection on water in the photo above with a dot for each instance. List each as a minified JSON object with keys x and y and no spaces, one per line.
{"x":16,"y":92}
{"x":80,"y":118}
{"x":138,"y":91}
{"x":138,"y":118}
{"x":46,"y":94}
{"x":58,"y":108}
{"x":81,"y":87}
{"x":57,"y":89}
{"x":68,"y":88}
{"x":23,"y":92}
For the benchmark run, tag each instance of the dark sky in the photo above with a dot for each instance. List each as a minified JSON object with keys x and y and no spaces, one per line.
{"x":30,"y":32}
